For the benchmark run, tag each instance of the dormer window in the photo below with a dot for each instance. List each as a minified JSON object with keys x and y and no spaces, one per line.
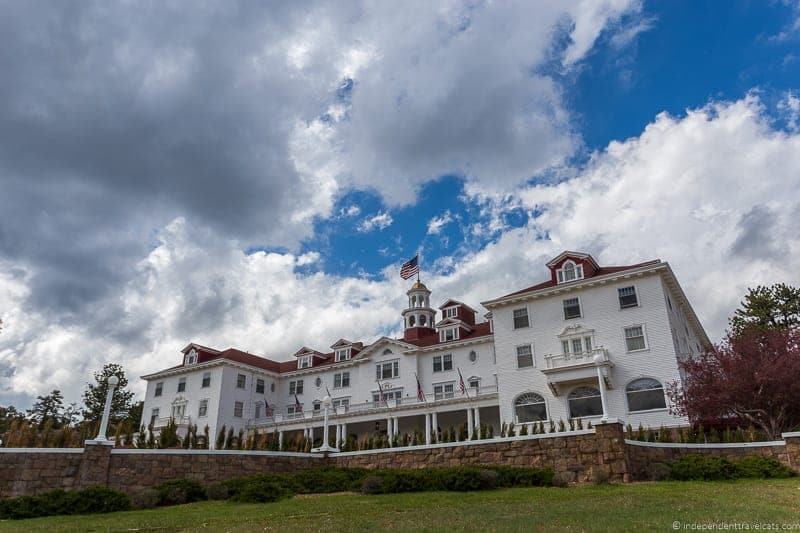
{"x":449,"y":334}
{"x":342,"y":354}
{"x":450,"y":312}
{"x":570,"y":271}
{"x":304,"y":362}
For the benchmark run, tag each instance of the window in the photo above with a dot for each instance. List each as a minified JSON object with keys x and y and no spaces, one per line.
{"x":238,"y":409}
{"x":634,"y":338}
{"x":341,"y":380}
{"x":524,"y":356}
{"x":450,"y":312}
{"x":159,"y":388}
{"x":569,"y":272}
{"x":206,"y":379}
{"x":645,"y":394}
{"x":341,"y":403}
{"x":182,"y":385}
{"x":521,"y":318}
{"x":474,"y":383}
{"x":442,"y":362}
{"x":342,"y":354}
{"x":530,"y":407}
{"x":584,"y":401}
{"x":203,"y":411}
{"x":387,"y":370}
{"x":387,"y":351}
{"x":241,"y":380}
{"x":449,"y":334}
{"x":178,"y":411}
{"x":293,"y":412}
{"x":191,"y":358}
{"x":317,"y":406}
{"x":258,"y":410}
{"x":304,"y":362}
{"x":318,"y":382}
{"x":473,"y":356}
{"x":572,"y":308}
{"x":627,"y":297}
{"x":296,"y":387}
{"x":396,"y":394}
{"x":443,"y":390}
{"x":260,"y":386}
{"x":153,"y":417}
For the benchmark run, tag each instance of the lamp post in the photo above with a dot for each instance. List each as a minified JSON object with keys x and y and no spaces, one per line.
{"x":599,"y":360}
{"x":326,"y":404}
{"x":112,"y":383}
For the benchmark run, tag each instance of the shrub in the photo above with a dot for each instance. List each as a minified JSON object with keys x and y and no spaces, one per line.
{"x":762,"y":467}
{"x":702,"y":467}
{"x":560,"y":479}
{"x":518,"y":476}
{"x":144,"y":498}
{"x":600,"y":476}
{"x":261,"y":491}
{"x":217,"y":491}
{"x":372,"y":485}
{"x":324,"y":480}
{"x":60,"y":502}
{"x":178,"y":491}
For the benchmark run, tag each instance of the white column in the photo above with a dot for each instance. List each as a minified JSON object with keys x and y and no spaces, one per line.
{"x":344,"y":433}
{"x":478,"y":420}
{"x":598,"y":360}
{"x":280,"y":440}
{"x":470,"y":426}
{"x":111,"y":383}
{"x":338,"y":435}
{"x":396,"y":426}
{"x":389,"y":428}
{"x":436,"y":426}
{"x":427,"y":428}
{"x":311,"y":434}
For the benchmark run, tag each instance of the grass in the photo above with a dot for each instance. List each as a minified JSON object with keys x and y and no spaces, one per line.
{"x":592,"y":508}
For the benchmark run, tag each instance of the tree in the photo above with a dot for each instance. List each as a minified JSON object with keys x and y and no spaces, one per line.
{"x":767,"y":308}
{"x":754,"y":376}
{"x":50,"y":407}
{"x":94,"y":397}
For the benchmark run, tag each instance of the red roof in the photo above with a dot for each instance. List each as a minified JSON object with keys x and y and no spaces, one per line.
{"x":481,"y":330}
{"x":602,"y":271}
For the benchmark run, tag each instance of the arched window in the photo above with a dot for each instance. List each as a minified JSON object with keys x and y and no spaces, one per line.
{"x":584,"y":401}
{"x":387,"y":351}
{"x":530,"y":407}
{"x":411,"y":321}
{"x":569,"y":271}
{"x":422,"y":320}
{"x":645,"y":394}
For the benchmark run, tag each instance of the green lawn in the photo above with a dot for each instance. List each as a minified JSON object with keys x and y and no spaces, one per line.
{"x":653,"y":506}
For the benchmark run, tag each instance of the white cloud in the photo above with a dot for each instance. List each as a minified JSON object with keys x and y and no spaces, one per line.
{"x":379,"y":221}
{"x":350,"y":211}
{"x":790,"y":106}
{"x":436,"y":223}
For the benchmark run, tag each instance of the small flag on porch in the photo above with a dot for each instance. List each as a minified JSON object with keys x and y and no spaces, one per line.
{"x":298,"y":407}
{"x":410,"y":268}
{"x":461,"y":382}
{"x":420,"y":394}
{"x":382,"y":395}
{"x":267,"y":408}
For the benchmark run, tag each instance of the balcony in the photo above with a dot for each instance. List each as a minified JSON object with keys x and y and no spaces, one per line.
{"x":180,"y":421}
{"x":565,"y":370}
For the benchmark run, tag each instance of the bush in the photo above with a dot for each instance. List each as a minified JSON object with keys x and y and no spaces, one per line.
{"x":178,"y":491}
{"x":325,"y":480}
{"x":217,"y":491}
{"x":560,"y":479}
{"x":762,"y":467}
{"x":144,"y":498}
{"x":600,"y":476}
{"x":261,"y":491}
{"x":657,"y":471}
{"x":59,"y":502}
{"x":517,"y":476}
{"x":372,"y":485}
{"x":702,"y":467}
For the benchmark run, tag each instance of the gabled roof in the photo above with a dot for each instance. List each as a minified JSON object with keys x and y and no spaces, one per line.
{"x":341,"y":343}
{"x":481,"y":330}
{"x":308,"y":351}
{"x":601,"y":271}
{"x":576,"y":255}
{"x":199,"y":347}
{"x":452,"y":321}
{"x":450,"y":303}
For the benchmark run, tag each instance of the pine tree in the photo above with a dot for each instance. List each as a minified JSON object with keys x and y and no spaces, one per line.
{"x":94,"y":396}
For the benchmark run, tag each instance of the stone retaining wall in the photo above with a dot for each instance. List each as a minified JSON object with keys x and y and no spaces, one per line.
{"x":578,"y":455}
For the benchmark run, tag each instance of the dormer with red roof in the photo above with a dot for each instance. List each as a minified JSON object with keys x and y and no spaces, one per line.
{"x":571,"y":266}
{"x":455,"y":309}
{"x":344,"y":350}
{"x":306,"y":356}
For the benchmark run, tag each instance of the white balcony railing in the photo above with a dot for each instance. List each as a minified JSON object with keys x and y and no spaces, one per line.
{"x":565,"y":360}
{"x":179,"y":421}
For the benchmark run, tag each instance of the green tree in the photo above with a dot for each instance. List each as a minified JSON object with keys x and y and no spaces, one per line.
{"x":767,"y":308}
{"x":49,"y":407}
{"x":94,"y":397}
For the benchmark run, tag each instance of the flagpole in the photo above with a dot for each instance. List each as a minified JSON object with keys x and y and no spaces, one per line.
{"x":463,"y":386}
{"x":419,"y":388}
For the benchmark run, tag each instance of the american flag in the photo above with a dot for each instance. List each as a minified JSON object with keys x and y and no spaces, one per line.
{"x":420,"y":393}
{"x":410,"y":268}
{"x":298,"y":407}
{"x":461,"y":382}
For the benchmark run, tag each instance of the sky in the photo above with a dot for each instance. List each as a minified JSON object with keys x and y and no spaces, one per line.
{"x":246,"y":175}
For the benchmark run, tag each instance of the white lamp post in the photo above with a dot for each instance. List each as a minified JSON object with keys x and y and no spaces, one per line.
{"x":112,"y":383}
{"x":326,"y":404}
{"x":599,"y":360}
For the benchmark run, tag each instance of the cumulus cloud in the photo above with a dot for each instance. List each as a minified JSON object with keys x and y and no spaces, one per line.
{"x":436,"y":223}
{"x":379,"y":221}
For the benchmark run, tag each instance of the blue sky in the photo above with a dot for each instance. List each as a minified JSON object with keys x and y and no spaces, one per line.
{"x":684,"y":55}
{"x":252,"y":175}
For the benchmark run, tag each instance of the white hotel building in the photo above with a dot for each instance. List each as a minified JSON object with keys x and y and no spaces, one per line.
{"x":589,"y":338}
